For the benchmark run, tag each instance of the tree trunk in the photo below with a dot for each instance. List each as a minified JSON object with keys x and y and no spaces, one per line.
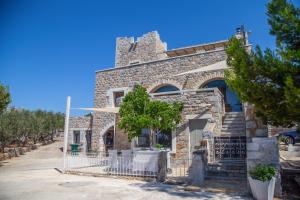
{"x":152,"y":137}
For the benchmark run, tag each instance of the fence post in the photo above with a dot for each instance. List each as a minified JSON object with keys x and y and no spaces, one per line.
{"x":162,"y":166}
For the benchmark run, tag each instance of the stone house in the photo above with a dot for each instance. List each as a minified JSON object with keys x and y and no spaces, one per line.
{"x":193,"y":75}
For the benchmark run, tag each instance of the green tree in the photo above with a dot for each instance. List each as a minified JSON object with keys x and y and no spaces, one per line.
{"x":138,"y":112}
{"x":270,"y":80}
{"x":4,"y":98}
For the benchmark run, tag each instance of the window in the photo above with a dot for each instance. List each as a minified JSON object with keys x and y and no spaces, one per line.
{"x":166,"y":88}
{"x":118,"y":98}
{"x":76,"y":137}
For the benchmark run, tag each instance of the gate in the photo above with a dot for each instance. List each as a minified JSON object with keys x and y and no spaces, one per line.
{"x":228,"y":148}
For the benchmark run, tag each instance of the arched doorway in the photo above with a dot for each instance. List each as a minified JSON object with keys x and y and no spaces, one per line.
{"x":232,"y":102}
{"x":108,"y":138}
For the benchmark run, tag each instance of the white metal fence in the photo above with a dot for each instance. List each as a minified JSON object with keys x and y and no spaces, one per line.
{"x":179,"y":167}
{"x":142,"y":164}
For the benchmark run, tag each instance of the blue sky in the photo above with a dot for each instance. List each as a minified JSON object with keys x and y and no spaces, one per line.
{"x":51,"y":49}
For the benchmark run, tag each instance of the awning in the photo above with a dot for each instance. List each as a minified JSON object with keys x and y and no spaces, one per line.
{"x":106,"y":109}
{"x":216,"y":66}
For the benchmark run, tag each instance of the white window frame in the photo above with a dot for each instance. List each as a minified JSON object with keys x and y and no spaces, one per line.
{"x":110,"y":95}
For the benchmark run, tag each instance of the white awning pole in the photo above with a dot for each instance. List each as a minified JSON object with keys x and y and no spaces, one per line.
{"x":66,"y":131}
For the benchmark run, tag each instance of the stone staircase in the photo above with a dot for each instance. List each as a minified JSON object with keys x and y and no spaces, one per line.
{"x":233,"y":124}
{"x":233,"y":127}
{"x":227,"y":170}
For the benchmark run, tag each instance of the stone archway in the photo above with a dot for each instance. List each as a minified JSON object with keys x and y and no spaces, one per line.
{"x":102,"y":134}
{"x":231,"y":100}
{"x":162,"y":83}
{"x":207,"y":77}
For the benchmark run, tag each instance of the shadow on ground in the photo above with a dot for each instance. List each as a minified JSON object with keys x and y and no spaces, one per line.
{"x":207,"y":191}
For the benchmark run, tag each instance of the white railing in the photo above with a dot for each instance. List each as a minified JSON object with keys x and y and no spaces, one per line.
{"x":144,"y":163}
{"x":179,"y":167}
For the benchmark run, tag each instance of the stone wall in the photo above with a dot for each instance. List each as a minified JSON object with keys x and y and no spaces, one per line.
{"x":264,"y":150}
{"x":254,"y":126}
{"x":261,"y":149}
{"x":81,"y":124}
{"x":202,"y":104}
{"x":147,"y":48}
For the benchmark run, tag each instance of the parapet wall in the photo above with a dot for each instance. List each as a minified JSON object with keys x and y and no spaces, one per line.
{"x":147,"y":48}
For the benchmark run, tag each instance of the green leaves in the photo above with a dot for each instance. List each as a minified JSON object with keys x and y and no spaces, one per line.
{"x":138,"y":112}
{"x":263,"y":172}
{"x":4,"y":98}
{"x":269,"y":80}
{"x":20,"y":125}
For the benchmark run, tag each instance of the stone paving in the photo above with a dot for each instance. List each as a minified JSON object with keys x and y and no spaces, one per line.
{"x":33,"y":176}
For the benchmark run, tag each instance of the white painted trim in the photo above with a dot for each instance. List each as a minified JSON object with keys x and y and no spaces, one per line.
{"x":110,"y":94}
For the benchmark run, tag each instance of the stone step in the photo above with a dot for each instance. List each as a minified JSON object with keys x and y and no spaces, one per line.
{"x":226,"y":173}
{"x":233,"y":130}
{"x":227,"y":169}
{"x":234,"y":122}
{"x":235,"y":178}
{"x":231,"y":134}
{"x":242,"y":126}
{"x":235,"y":113}
{"x":235,"y":167}
{"x":234,"y":117}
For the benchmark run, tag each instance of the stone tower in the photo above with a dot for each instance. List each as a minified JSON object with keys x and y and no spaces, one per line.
{"x":147,"y":48}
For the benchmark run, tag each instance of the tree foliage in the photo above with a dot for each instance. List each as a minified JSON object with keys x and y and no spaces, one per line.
{"x":270,"y":80}
{"x":137,"y":112}
{"x":4,"y":98}
{"x":19,"y":126}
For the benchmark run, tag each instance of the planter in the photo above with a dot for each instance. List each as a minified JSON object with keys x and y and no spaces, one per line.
{"x":262,"y":190}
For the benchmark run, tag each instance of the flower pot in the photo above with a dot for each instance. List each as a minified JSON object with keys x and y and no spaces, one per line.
{"x":262,"y":190}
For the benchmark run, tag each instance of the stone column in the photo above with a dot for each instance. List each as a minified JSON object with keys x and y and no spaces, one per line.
{"x":162,"y":166}
{"x":198,"y":166}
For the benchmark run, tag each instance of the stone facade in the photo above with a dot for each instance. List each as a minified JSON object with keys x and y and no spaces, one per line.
{"x":153,"y":71}
{"x":200,"y":104}
{"x":81,"y":125}
{"x":147,"y":61}
{"x":147,"y":48}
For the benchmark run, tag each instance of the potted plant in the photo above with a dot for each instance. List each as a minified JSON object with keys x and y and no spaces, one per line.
{"x":262,"y":182}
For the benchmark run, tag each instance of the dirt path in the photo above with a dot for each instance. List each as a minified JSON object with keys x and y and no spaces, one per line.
{"x":33,"y":176}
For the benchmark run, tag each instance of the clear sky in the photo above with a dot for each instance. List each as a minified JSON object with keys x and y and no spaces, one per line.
{"x":50,"y":49}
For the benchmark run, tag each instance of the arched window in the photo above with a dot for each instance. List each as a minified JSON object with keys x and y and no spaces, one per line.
{"x":165,"y":88}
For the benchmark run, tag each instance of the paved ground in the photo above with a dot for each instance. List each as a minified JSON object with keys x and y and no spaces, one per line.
{"x":33,"y":176}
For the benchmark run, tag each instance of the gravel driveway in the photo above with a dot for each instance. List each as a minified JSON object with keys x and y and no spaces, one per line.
{"x":33,"y":176}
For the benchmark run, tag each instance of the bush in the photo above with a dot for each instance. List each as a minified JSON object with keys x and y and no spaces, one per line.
{"x":159,"y":146}
{"x":263,"y":172}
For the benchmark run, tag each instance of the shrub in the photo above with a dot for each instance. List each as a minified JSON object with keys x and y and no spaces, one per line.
{"x":263,"y":172}
{"x":159,"y":146}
